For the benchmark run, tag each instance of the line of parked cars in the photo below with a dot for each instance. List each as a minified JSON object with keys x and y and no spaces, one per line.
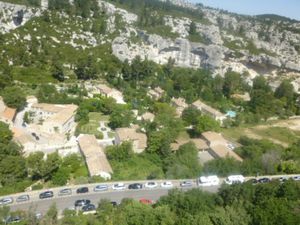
{"x":201,"y":181}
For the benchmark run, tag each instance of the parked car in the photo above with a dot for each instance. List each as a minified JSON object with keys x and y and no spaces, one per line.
{"x":186,"y":184}
{"x":82,"y":202}
{"x":166,"y":184}
{"x":46,"y":194}
{"x":119,"y":186}
{"x":89,"y":209}
{"x":6,"y":201}
{"x":22,"y":198}
{"x":135,"y":186}
{"x":208,"y":181}
{"x":38,"y":215}
{"x":12,"y":219}
{"x":264,"y":180}
{"x":114,"y":203}
{"x":283,"y":179}
{"x":82,"y":190}
{"x":296,"y":178}
{"x":235,"y":179}
{"x":101,"y":187}
{"x":66,"y":191}
{"x":146,"y":201}
{"x":151,"y":184}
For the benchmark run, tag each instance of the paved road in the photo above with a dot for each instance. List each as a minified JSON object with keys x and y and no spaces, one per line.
{"x":63,"y":202}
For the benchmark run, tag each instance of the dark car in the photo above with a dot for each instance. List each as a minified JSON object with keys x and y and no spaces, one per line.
{"x":82,"y":202}
{"x":82,"y":190}
{"x":89,"y":207}
{"x":135,"y":186}
{"x":46,"y":194}
{"x":264,"y":180}
{"x":114,"y":203}
{"x":13,"y":219}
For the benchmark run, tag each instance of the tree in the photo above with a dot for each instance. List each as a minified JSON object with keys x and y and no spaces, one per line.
{"x":61,"y":177}
{"x":120,"y":117}
{"x":159,"y":143}
{"x":14,"y":97}
{"x":223,"y":166}
{"x":12,"y":169}
{"x":58,"y":72}
{"x":86,"y":68}
{"x":35,"y":163}
{"x":232,"y":83}
{"x":285,"y":90}
{"x":185,"y":164}
{"x":193,"y":28}
{"x":190,"y":115}
{"x":120,"y":153}
{"x":206,"y":123}
{"x":5,"y":133}
{"x":51,"y":165}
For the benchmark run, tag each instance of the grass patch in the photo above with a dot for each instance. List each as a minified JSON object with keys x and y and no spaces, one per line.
{"x":279,"y":133}
{"x":32,"y":75}
{"x":162,"y":30}
{"x":82,"y":171}
{"x":139,"y":167}
{"x":92,"y":126}
{"x":233,"y":133}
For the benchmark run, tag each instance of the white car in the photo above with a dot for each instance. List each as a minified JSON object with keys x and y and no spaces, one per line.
{"x":235,"y":179}
{"x":166,"y":184}
{"x":296,"y":178}
{"x":6,"y":201}
{"x":208,"y":181}
{"x":119,"y":186}
{"x":151,"y":184}
{"x":101,"y":187}
{"x":186,"y":183}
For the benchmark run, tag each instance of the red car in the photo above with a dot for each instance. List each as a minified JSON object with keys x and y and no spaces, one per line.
{"x":146,"y":201}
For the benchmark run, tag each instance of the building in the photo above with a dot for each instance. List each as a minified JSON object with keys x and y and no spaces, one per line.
{"x":54,"y":118}
{"x":213,"y":138}
{"x":219,"y":146}
{"x":156,"y":93}
{"x":179,"y":104}
{"x":139,"y":140}
{"x":200,"y":144}
{"x":96,"y":88}
{"x":208,"y":110}
{"x":7,"y":114}
{"x":95,"y":157}
{"x":222,"y":151}
{"x":243,"y":97}
{"x":111,"y":93}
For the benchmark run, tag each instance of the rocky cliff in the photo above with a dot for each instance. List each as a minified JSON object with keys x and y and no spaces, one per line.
{"x":249,"y":45}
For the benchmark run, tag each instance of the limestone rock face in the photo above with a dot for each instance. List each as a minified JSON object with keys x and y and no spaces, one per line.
{"x":13,"y":16}
{"x":248,"y":45}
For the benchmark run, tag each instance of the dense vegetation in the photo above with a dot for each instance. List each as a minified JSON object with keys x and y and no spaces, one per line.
{"x":247,"y":204}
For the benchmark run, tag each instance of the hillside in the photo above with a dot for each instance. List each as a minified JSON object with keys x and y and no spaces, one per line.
{"x":194,"y":36}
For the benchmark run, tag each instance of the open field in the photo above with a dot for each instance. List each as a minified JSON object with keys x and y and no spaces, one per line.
{"x":282,"y":132}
